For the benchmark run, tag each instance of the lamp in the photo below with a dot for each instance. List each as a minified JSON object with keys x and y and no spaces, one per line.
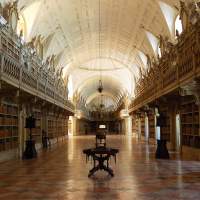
{"x":78,"y":114}
{"x":100,"y":87}
{"x":101,"y":105}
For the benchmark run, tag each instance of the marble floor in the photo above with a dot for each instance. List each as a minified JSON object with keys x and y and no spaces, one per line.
{"x":60,"y":173}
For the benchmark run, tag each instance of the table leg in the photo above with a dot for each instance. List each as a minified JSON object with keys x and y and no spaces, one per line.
{"x":100,"y":165}
{"x":109,"y":170}
{"x":93,"y":170}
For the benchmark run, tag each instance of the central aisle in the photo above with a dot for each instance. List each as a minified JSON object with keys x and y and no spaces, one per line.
{"x":61,"y":174}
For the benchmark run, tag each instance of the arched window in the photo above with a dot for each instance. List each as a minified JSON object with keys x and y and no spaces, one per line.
{"x":159,"y":51}
{"x":169,"y":13}
{"x":178,"y":25}
{"x":21,"y":28}
{"x":153,"y":41}
{"x":143,"y":57}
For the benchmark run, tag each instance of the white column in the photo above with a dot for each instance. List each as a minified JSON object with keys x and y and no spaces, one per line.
{"x":128,"y":126}
{"x":139,"y":128}
{"x":74,"y":126}
{"x":157,"y":129}
{"x":146,"y":127}
{"x":21,"y":129}
{"x":178,"y":133}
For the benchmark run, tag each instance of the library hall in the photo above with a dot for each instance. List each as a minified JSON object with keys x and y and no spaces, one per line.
{"x":99,"y":99}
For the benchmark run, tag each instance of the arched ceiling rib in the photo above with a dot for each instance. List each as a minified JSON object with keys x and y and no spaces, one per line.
{"x":121,"y":78}
{"x":81,"y":35}
{"x":97,"y":94}
{"x":76,"y":27}
{"x":113,"y":92}
{"x":102,"y":101}
{"x":110,"y":85}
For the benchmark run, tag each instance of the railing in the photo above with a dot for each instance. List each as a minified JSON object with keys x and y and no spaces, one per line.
{"x":174,"y":69}
{"x":29,"y":74}
{"x":10,"y":67}
{"x":29,"y":79}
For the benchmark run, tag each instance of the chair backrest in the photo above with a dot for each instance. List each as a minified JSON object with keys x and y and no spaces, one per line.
{"x":101,"y":139}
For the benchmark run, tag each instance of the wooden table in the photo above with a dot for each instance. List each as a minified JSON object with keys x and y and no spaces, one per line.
{"x":99,"y":156}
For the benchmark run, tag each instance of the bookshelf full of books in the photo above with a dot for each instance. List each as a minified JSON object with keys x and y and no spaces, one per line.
{"x":190,"y":123}
{"x":8,"y":126}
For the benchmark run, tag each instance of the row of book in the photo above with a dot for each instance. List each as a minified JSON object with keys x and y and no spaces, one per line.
{"x":6,"y":145}
{"x":7,"y":109}
{"x":5,"y":121}
{"x":8,"y":133}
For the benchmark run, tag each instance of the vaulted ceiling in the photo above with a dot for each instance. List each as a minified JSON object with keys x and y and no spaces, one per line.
{"x":90,"y":36}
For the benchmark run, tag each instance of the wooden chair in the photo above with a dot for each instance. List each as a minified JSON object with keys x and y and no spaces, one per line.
{"x":101,"y":139}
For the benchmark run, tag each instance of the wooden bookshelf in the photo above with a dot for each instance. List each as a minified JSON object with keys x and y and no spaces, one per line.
{"x":51,"y":128}
{"x":37,"y":131}
{"x":8,"y":45}
{"x":63,"y":126}
{"x":165,"y":130}
{"x":190,"y":123}
{"x":143,"y":126}
{"x":135,"y":125}
{"x":152,"y":128}
{"x":57,"y":126}
{"x":8,"y":126}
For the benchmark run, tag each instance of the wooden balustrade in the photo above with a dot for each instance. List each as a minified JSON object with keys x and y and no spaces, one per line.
{"x":177,"y":66}
{"x":22,"y":68}
{"x":29,"y":79}
{"x":8,"y":45}
{"x":10,"y":67}
{"x":50,"y":92}
{"x":41,"y":87}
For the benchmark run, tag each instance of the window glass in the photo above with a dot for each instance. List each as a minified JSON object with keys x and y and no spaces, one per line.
{"x":178,"y":25}
{"x":21,"y":27}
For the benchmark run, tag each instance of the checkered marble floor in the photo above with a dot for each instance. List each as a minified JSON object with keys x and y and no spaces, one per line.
{"x":60,"y":173}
